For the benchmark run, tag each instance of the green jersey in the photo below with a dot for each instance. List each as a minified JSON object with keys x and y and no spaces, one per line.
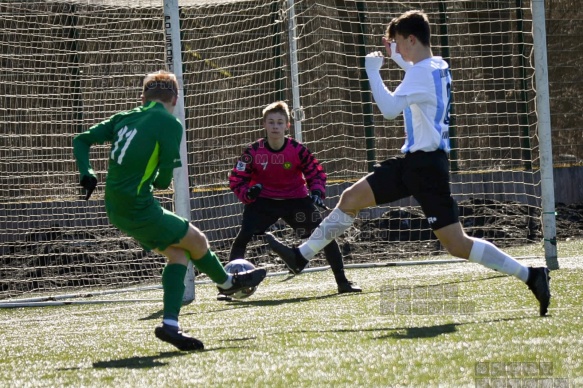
{"x":145,"y":148}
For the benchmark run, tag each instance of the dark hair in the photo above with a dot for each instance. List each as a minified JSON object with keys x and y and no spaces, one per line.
{"x":411,"y":23}
{"x":161,"y":86}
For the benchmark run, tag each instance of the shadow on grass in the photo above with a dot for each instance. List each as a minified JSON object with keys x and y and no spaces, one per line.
{"x":139,"y":361}
{"x":238,"y":339}
{"x":434,"y":331}
{"x":158,"y":314}
{"x":152,"y":361}
{"x":277,"y":302}
{"x":288,"y":278}
{"x":398,"y":332}
{"x":416,"y":332}
{"x":422,"y":332}
{"x":457,"y":281}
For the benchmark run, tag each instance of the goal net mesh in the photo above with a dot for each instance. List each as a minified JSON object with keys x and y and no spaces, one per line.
{"x":70,"y":64}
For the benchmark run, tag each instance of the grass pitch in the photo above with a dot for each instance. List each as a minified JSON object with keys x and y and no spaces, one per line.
{"x":413,"y":326}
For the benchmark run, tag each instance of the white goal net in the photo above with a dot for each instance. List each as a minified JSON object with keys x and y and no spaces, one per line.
{"x":69,"y":64}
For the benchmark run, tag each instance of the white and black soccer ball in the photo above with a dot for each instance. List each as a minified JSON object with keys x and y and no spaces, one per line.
{"x":241,"y":265}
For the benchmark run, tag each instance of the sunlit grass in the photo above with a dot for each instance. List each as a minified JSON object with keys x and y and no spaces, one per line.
{"x":299,"y":332}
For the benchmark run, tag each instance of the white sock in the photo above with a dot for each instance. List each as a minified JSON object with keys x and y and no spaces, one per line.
{"x":228,"y":283}
{"x":170,"y":322}
{"x":487,"y":254}
{"x":330,"y":228}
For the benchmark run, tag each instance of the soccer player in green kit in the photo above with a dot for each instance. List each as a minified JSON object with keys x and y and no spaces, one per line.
{"x":145,"y":150}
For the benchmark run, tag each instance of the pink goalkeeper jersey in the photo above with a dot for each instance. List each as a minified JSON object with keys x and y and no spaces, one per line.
{"x":283,"y":173}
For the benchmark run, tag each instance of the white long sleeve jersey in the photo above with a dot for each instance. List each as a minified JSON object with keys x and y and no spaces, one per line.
{"x":423,"y":96}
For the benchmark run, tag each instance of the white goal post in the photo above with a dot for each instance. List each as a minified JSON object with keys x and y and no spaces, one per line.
{"x":173,"y":57}
{"x":68,"y":64}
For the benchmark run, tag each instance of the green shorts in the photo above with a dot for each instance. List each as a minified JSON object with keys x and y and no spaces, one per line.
{"x":153,"y":227}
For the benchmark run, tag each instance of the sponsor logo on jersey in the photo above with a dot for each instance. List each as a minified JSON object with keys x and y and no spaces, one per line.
{"x":287,"y":165}
{"x":241,"y":166}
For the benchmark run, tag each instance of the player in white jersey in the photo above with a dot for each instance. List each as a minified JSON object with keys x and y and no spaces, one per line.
{"x":423,"y":97}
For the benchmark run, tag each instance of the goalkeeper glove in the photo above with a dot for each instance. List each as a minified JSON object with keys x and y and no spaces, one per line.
{"x":254,"y":191}
{"x":317,"y":199}
{"x":89,"y":183}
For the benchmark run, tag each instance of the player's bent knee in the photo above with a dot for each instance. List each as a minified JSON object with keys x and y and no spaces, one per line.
{"x":201,"y":241}
{"x":350,"y":203}
{"x":194,"y":240}
{"x":356,"y":198}
{"x":174,"y":255}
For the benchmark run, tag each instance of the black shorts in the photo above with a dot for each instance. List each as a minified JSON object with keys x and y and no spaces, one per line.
{"x":425,"y":176}
{"x":299,"y":213}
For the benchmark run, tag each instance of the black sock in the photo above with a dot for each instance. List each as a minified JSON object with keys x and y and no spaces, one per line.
{"x":340,"y":277}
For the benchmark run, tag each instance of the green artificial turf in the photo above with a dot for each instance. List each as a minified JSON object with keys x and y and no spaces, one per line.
{"x":418,"y":326}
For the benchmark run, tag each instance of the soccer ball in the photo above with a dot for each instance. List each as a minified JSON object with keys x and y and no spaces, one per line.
{"x":241,"y":265}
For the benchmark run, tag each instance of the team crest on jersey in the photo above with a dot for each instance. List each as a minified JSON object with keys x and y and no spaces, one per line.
{"x":241,"y":166}
{"x":287,"y":165}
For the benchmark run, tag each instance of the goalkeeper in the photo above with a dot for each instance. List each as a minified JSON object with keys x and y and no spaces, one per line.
{"x":423,"y":97}
{"x":144,"y":152}
{"x":270,"y":179}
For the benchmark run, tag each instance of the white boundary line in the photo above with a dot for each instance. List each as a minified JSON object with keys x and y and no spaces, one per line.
{"x":72,"y":302}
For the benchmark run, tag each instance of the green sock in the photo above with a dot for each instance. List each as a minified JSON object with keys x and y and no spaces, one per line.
{"x":210,"y":265}
{"x":173,"y":285}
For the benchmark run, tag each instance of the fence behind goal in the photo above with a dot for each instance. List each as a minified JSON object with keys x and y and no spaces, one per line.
{"x":69,"y":64}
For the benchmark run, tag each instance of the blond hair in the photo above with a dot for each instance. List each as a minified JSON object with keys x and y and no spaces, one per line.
{"x":276,"y":107}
